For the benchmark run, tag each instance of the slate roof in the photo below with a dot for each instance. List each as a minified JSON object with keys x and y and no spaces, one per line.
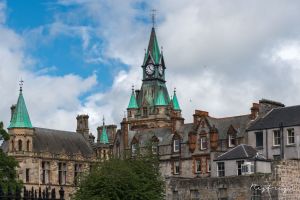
{"x":241,"y":151}
{"x":55,"y":141}
{"x":288,"y":116}
{"x":164,"y":135}
{"x":239,"y":123}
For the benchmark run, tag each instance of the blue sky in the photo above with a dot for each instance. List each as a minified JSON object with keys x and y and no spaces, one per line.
{"x":83,"y":56}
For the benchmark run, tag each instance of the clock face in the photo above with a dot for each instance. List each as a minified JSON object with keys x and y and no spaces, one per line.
{"x":150,"y":69}
{"x":160,"y":70}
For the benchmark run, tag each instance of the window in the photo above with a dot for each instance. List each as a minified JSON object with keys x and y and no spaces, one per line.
{"x":27,"y":175}
{"x":221,"y":169}
{"x":239,"y":167}
{"x":256,"y":193}
{"x":231,"y":140}
{"x":28,"y":145}
{"x":20,"y":145}
{"x":203,"y":143}
{"x":276,"y":157}
{"x":291,"y":136}
{"x":259,"y":139}
{"x":208,"y":166}
{"x":154,"y":147}
{"x":118,"y":150}
{"x":176,"y":167}
{"x":77,"y":173}
{"x":276,"y":138}
{"x":197,"y":166}
{"x":45,"y":172}
{"x":145,"y":112}
{"x":195,"y":195}
{"x":62,"y":173}
{"x":176,"y":145}
{"x":133,"y":149}
{"x":12,"y":145}
{"x":175,"y":195}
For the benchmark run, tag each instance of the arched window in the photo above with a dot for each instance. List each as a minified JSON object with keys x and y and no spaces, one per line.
{"x":176,"y":143}
{"x":154,"y":144}
{"x":28,"y":145}
{"x":134,"y":146}
{"x":12,"y":145}
{"x":20,"y":145}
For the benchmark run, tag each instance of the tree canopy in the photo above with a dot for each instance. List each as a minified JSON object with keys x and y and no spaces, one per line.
{"x":8,"y":165}
{"x":131,"y":179}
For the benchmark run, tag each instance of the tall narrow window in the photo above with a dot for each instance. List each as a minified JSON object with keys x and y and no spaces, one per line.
{"x":27,"y":175}
{"x":133,"y":149}
{"x":28,"y":145}
{"x":276,"y":138}
{"x":176,"y":145}
{"x":20,"y":145}
{"x":176,"y":167}
{"x":118,"y":150}
{"x":45,"y":172}
{"x":239,"y":167}
{"x":208,"y":166}
{"x":198,"y":166}
{"x":221,"y":169}
{"x":291,"y":136}
{"x":12,"y":145}
{"x":259,"y":139}
{"x":145,"y":112}
{"x":231,"y":140}
{"x":203,"y":143}
{"x":62,"y":173}
{"x":77,"y":173}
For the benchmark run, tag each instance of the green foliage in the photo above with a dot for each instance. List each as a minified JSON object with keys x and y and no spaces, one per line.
{"x":8,"y":165}
{"x":3,"y":134}
{"x":130,"y":179}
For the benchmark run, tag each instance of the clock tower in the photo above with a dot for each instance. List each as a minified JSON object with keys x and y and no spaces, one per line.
{"x":151,"y":106}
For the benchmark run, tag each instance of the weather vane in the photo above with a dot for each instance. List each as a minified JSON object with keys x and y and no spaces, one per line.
{"x":153,"y":15}
{"x":21,"y":84}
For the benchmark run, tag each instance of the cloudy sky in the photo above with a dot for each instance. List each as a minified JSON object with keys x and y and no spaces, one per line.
{"x":82,"y":56}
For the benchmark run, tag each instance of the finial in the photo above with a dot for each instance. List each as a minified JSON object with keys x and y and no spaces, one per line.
{"x":161,"y":49}
{"x":153,"y":15}
{"x":21,"y":85}
{"x":103,"y":120}
{"x":174,"y":90}
{"x":132,"y":88}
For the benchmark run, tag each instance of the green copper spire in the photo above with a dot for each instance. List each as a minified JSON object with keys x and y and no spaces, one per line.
{"x":104,"y":137}
{"x":160,"y":100}
{"x":20,"y":118}
{"x":175,"y":101}
{"x":153,"y":48}
{"x":132,"y":102}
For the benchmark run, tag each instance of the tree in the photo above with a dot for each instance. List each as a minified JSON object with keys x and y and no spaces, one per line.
{"x":131,"y":179}
{"x":8,"y":165}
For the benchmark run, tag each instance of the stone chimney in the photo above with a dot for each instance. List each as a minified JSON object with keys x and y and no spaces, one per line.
{"x":199,"y":114}
{"x":83,"y":125}
{"x":266,"y":105}
{"x":254,"y":111}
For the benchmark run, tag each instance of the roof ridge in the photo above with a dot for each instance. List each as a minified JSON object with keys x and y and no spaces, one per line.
{"x":230,"y":117}
{"x":54,"y":130}
{"x":247,"y":155}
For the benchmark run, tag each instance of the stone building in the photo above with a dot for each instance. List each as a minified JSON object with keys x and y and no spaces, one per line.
{"x":53,"y":158}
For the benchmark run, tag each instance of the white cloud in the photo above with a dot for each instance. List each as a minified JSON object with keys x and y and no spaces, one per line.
{"x":221,"y":56}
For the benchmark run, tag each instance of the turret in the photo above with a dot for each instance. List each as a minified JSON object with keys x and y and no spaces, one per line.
{"x":132,"y":108}
{"x":20,"y":128}
{"x":83,"y":125}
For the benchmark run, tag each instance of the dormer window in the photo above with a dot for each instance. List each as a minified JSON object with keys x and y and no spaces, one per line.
{"x":133,"y":149}
{"x":176,"y":145}
{"x":231,"y":140}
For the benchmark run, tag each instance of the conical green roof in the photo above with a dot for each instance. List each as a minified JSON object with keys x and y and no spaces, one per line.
{"x":132,"y":102}
{"x":153,"y":48}
{"x":20,"y":118}
{"x":175,"y":102}
{"x":160,"y":100}
{"x":104,"y":137}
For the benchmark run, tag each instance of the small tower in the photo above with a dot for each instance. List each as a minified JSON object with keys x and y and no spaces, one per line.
{"x":132,"y":108}
{"x":83,"y":125}
{"x":176,"y":117}
{"x":20,"y":128}
{"x":103,"y":146}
